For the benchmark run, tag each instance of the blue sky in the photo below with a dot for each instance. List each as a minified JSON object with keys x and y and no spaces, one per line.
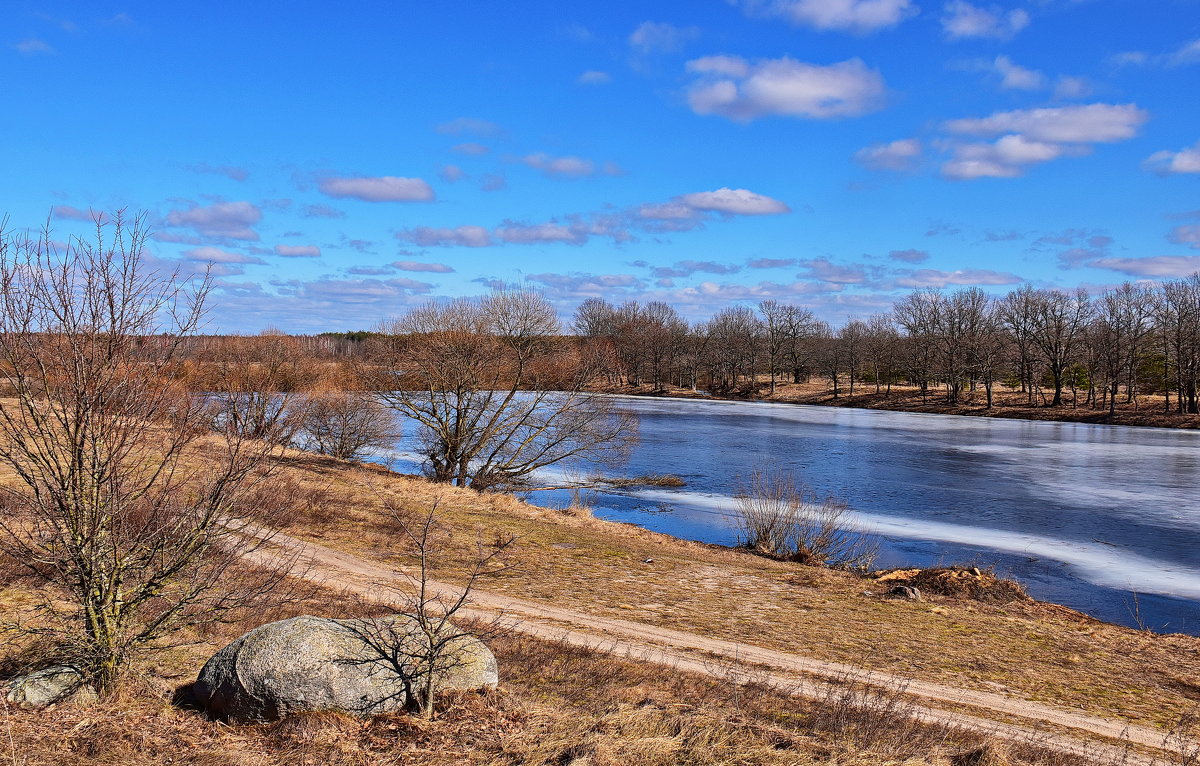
{"x":337,"y":162}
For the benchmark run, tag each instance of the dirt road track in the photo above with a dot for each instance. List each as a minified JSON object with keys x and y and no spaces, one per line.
{"x":794,"y":673}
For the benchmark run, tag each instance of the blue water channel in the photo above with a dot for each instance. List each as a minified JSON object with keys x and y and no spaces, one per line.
{"x":1104,"y":519}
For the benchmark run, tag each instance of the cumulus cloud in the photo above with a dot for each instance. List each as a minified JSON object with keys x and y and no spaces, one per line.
{"x":432,"y":268}
{"x":1089,"y":123}
{"x":1188,"y":234}
{"x":1183,"y":161}
{"x":1005,"y":158}
{"x":1159,"y":266}
{"x":232,"y":172}
{"x":469,"y":126}
{"x":1016,"y":77}
{"x":461,"y":236}
{"x":225,"y":220}
{"x":585,"y":284}
{"x":961,"y":20}
{"x":377,"y":189}
{"x":909,"y":256}
{"x":938,"y":278}
{"x":743,"y":91}
{"x":298,"y":251}
{"x":859,"y":16}
{"x":734,"y":202}
{"x":594,"y":77}
{"x":661,"y":37}
{"x":899,"y":156}
{"x":452,"y":173}
{"x":1034,"y":136}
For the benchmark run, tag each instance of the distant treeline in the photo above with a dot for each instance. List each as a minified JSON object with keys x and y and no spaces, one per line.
{"x":1128,"y":340}
{"x":955,"y":345}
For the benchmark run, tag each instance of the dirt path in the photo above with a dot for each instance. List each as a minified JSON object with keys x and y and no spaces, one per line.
{"x":692,"y":652}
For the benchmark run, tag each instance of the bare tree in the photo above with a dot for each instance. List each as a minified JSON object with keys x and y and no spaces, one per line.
{"x":258,"y":384}
{"x":124,"y":502}
{"x":347,"y":424}
{"x":495,"y":392}
{"x":1059,"y":322}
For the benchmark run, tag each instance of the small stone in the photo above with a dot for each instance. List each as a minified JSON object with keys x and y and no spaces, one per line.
{"x":906,"y":592}
{"x":50,"y":686}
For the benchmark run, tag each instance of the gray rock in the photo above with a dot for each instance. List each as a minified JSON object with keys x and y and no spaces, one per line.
{"x":50,"y":686}
{"x":905,"y":592}
{"x":316,"y":663}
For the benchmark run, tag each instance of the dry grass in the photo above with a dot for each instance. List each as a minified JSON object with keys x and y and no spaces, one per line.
{"x":558,"y":704}
{"x":956,"y":582}
{"x":1038,"y":651}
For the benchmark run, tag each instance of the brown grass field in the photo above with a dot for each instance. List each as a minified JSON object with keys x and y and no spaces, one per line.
{"x":564,"y":705}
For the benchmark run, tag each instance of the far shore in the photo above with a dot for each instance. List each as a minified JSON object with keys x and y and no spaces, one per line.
{"x":1148,"y":411}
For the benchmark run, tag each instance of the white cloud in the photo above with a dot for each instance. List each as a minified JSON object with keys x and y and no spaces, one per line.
{"x":661,"y":37}
{"x":1161,"y":266}
{"x":741,"y":91}
{"x":560,"y":167}
{"x":594,"y":77}
{"x":1188,"y":234}
{"x":452,"y":173}
{"x":32,"y":46}
{"x":961,"y":20}
{"x":72,"y":213}
{"x":469,"y":126}
{"x":231,"y":220}
{"x":734,"y":202}
{"x":824,"y":270}
{"x":1188,"y":54}
{"x":461,"y":236}
{"x":298,"y":251}
{"x":897,"y":155}
{"x":423,"y":266}
{"x":217,"y":255}
{"x":938,"y":278}
{"x":1090,"y":123}
{"x":470,"y":147}
{"x":860,"y":16}
{"x":1002,"y":159}
{"x":1069,"y":87}
{"x":1183,"y":161}
{"x":539,"y":233}
{"x":909,"y":256}
{"x":1016,"y":77}
{"x":378,"y":189}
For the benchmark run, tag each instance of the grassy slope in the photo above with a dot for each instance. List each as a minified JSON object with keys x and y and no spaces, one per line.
{"x":561,"y":705}
{"x":1037,"y":651}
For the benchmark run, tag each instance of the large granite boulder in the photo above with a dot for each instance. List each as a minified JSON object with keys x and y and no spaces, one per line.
{"x":359,"y":667}
{"x":50,"y":686}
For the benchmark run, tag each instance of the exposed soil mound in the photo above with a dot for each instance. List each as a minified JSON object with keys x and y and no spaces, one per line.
{"x":957,"y":582}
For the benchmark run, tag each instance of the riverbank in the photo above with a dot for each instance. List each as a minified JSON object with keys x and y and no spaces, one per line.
{"x":1022,"y":650}
{"x":1148,"y":411}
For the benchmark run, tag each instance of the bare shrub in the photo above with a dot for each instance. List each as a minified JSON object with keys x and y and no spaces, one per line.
{"x":125,"y":502}
{"x":777,"y":518}
{"x":347,"y":424}
{"x":875,"y":718}
{"x":959,"y":582}
{"x":427,"y":645}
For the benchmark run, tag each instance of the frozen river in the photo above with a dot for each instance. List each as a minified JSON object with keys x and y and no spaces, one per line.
{"x":1084,"y":515}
